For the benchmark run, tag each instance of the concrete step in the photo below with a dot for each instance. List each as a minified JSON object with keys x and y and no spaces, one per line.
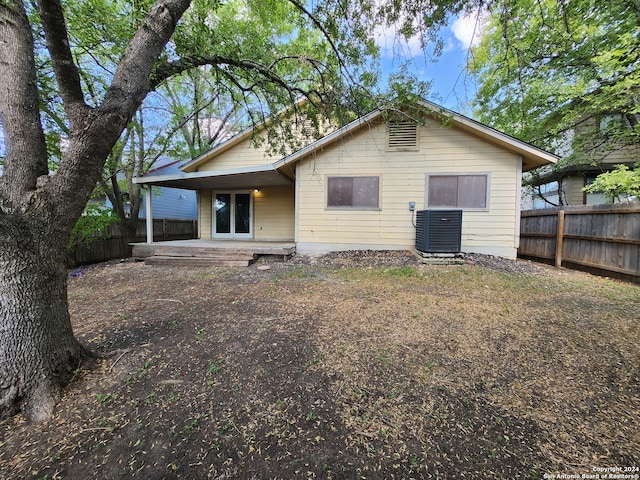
{"x":220,"y":261}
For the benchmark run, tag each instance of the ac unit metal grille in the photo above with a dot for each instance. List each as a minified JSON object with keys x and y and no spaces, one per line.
{"x":439,"y":231}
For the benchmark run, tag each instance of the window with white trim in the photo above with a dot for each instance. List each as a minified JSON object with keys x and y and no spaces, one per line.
{"x":458,"y":191}
{"x":353,"y":192}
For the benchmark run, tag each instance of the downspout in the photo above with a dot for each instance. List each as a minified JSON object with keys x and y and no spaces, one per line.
{"x":296,"y":203}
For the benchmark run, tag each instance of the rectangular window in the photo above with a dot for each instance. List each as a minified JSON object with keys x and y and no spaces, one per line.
{"x":457,"y":191}
{"x":615,"y":123}
{"x":353,"y":192}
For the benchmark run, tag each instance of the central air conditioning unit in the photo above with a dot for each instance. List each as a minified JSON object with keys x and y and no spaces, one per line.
{"x":439,"y":231}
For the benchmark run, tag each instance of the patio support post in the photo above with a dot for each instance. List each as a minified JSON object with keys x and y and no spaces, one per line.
{"x":149,"y":214}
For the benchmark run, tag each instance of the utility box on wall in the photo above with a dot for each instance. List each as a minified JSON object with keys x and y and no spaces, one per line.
{"x":439,"y":231}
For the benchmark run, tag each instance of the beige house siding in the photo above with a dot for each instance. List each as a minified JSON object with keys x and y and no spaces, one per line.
{"x":205,"y":212}
{"x":403,"y":179}
{"x":249,"y":154}
{"x":274,"y":214}
{"x":246,"y":154}
{"x":611,"y":152}
{"x":572,"y":187}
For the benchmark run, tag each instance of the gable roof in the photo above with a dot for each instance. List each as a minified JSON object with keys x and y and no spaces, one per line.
{"x":273,"y":174}
{"x":532,"y":157}
{"x":247,"y":133}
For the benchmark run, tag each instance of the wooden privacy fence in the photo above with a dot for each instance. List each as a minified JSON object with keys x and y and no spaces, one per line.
{"x":592,"y":237}
{"x":110,"y":243}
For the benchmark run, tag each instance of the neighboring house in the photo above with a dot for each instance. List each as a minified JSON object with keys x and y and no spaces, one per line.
{"x":170,"y":203}
{"x":352,"y":189}
{"x":592,"y":152}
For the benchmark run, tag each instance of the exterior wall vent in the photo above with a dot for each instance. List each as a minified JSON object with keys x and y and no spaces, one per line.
{"x":402,"y":136}
{"x":439,"y":231}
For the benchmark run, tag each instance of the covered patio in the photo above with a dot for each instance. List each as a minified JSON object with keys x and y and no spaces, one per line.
{"x":233,"y":204}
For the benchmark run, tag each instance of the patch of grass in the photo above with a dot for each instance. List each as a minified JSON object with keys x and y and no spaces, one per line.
{"x":105,"y":398}
{"x":430,"y":364}
{"x":383,"y":358}
{"x":317,"y":358}
{"x":403,"y":272}
{"x":201,"y":333}
{"x":215,"y":366}
{"x":428,"y":370}
{"x":190,"y":425}
{"x":225,"y":428}
{"x":295,"y":272}
{"x":139,"y":373}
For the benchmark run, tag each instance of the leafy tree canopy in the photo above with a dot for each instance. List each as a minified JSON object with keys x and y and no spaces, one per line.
{"x":549,"y":71}
{"x":258,"y":56}
{"x":617,"y":185}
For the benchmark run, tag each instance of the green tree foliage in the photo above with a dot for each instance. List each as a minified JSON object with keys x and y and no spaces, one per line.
{"x":620,"y":184}
{"x":95,"y":218}
{"x":230,"y":65}
{"x":555,"y":73}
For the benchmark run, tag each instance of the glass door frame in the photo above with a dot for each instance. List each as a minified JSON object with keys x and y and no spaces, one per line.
{"x":232,"y":235}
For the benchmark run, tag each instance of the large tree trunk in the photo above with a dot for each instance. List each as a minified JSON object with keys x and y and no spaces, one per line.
{"x":38,"y":351}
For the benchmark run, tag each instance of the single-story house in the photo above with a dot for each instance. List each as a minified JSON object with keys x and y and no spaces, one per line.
{"x":359,"y":186}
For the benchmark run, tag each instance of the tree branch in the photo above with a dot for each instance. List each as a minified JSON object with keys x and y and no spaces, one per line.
{"x":89,"y":146}
{"x":170,"y":69}
{"x":326,"y":35}
{"x":64,"y":67}
{"x":131,"y":81}
{"x":26,"y":151}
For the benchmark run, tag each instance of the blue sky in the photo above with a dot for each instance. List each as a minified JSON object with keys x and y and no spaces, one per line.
{"x":452,"y":87}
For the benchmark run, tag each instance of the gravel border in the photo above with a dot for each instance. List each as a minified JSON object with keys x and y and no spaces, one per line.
{"x":401,"y":258}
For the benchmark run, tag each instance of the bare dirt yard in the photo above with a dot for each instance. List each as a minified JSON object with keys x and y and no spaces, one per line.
{"x":349,"y":366}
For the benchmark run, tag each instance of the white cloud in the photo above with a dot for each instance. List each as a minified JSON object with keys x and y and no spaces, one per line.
{"x":468,"y":28}
{"x":393,"y":45}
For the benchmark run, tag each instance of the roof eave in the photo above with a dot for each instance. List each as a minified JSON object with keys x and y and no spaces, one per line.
{"x":238,"y":178}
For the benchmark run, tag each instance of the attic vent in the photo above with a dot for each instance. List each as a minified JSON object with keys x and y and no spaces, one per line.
{"x":402,"y":135}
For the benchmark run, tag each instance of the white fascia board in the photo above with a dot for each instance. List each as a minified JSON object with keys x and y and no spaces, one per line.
{"x":204,"y":174}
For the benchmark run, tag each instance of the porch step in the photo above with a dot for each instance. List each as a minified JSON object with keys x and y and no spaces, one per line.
{"x":211,"y":261}
{"x":180,"y":251}
{"x":195,"y":253}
